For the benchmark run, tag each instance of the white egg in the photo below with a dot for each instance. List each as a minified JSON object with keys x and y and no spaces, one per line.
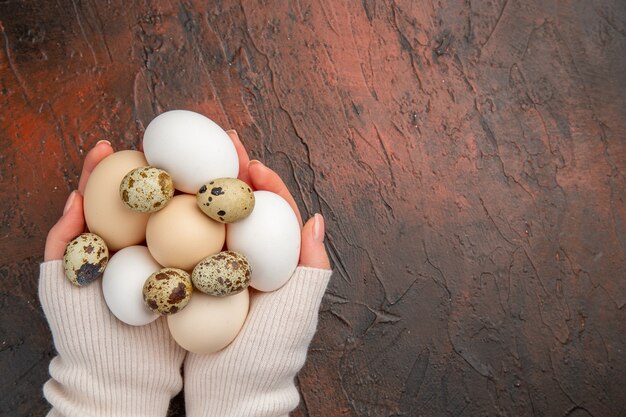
{"x":191,"y":148}
{"x":208,"y":324}
{"x":122,"y":285}
{"x":269,"y":238}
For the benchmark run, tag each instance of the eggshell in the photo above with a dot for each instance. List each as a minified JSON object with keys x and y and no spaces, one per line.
{"x":226,"y":200}
{"x":222,"y":274}
{"x":105,"y":213}
{"x":180,"y":235}
{"x":146,"y":189}
{"x":208,"y":324}
{"x":191,"y":147}
{"x":167,"y":291}
{"x":122,"y":285}
{"x":269,"y":238}
{"x":85,"y":259}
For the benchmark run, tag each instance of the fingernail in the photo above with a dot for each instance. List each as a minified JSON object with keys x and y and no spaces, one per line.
{"x":69,"y":202}
{"x":234,"y":132}
{"x":255,"y":162}
{"x":103,"y":141}
{"x":318,"y":227}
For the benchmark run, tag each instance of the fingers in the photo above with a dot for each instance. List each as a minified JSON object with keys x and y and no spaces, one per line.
{"x":98,"y":153}
{"x":244,"y":159}
{"x":312,"y":251}
{"x":265,"y":179}
{"x":72,"y":222}
{"x":70,"y":225}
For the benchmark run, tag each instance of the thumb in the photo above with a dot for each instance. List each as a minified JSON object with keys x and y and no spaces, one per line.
{"x":312,"y":251}
{"x":70,"y":225}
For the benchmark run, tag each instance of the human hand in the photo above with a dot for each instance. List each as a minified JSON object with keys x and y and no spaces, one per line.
{"x":72,"y":222}
{"x":104,"y":367}
{"x":259,"y":177}
{"x":254,"y":375}
{"x":254,"y":173}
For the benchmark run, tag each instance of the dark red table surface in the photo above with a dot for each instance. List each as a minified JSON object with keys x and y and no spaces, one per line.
{"x":469,"y":158}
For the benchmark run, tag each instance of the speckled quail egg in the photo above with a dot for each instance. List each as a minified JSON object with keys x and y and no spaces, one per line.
{"x":226,"y":200}
{"x":146,"y":189}
{"x":225,"y":273}
{"x":85,"y":258}
{"x":167,"y":291}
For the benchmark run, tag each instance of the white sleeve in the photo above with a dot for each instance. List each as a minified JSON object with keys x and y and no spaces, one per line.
{"x":254,"y":376}
{"x":104,"y":367}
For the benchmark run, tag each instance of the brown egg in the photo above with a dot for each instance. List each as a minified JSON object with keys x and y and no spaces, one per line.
{"x":167,"y":291}
{"x":180,"y":235}
{"x":105,"y":213}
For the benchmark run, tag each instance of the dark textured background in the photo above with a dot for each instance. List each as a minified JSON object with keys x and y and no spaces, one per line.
{"x":469,"y":157}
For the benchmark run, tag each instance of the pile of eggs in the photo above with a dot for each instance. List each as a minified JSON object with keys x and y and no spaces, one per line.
{"x":189,"y":237}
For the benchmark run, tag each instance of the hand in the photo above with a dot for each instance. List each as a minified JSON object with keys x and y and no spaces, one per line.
{"x":104,"y":367}
{"x":254,"y":375}
{"x":72,"y":222}
{"x":259,"y":177}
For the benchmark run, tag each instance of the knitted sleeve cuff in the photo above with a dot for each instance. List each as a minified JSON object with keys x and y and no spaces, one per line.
{"x":254,"y":376}
{"x":104,"y":367}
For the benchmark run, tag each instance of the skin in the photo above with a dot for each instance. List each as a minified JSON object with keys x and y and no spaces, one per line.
{"x":254,"y":173}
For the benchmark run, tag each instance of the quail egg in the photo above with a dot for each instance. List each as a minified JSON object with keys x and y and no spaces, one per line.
{"x":167,"y":291}
{"x":146,"y":189}
{"x":225,"y":273}
{"x":226,"y":200}
{"x":85,"y":258}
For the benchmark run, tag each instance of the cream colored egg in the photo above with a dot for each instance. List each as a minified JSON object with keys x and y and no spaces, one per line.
{"x":180,"y":235}
{"x":209,"y":324}
{"x":105,"y":213}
